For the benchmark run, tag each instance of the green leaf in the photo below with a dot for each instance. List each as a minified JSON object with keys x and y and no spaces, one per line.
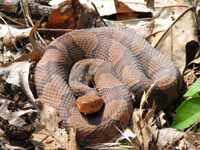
{"x":187,"y":114}
{"x":193,"y":89}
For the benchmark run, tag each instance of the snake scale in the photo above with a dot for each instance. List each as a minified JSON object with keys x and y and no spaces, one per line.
{"x":134,"y":67}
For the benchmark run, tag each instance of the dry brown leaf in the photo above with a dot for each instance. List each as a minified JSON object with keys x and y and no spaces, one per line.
{"x":189,"y":77}
{"x":143,"y":128}
{"x":52,"y":136}
{"x":122,"y":8}
{"x":64,"y":16}
{"x":104,"y":7}
{"x":71,"y":14}
{"x":145,"y":96}
{"x":17,"y":73}
{"x":13,"y":117}
{"x":150,"y":3}
{"x":10,"y":34}
{"x":148,"y":133}
{"x":146,"y":126}
{"x":56,"y":3}
{"x":172,"y":33}
{"x":168,"y":136}
{"x":124,"y":12}
{"x":192,"y":140}
{"x":129,"y":18}
{"x":37,"y":48}
{"x":44,"y":140}
{"x":9,"y":5}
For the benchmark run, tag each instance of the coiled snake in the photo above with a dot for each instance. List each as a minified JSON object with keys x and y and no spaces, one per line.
{"x":132,"y":66}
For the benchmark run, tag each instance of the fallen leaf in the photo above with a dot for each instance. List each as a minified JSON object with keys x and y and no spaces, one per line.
{"x":143,"y":127}
{"x":59,"y":138}
{"x":11,"y":34}
{"x":150,"y":3}
{"x":172,"y":34}
{"x":9,"y":5}
{"x":145,"y":96}
{"x":14,"y":72}
{"x":127,"y":13}
{"x":189,"y":76}
{"x":169,"y":136}
{"x":37,"y":48}
{"x":17,"y":73}
{"x":55,"y":3}
{"x":105,"y":7}
{"x":63,"y":16}
{"x":13,"y":117}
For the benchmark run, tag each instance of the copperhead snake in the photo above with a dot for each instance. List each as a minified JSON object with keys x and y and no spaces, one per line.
{"x":132,"y":66}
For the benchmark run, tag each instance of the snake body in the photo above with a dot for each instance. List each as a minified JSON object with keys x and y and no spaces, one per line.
{"x":135,"y":67}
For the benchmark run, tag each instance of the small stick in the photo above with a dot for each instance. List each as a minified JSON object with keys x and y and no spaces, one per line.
{"x":54,"y":30}
{"x":99,"y":14}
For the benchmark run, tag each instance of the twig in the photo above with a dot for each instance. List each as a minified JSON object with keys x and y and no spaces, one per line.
{"x":23,"y":10}
{"x":24,"y":5}
{"x":98,"y":14}
{"x":192,"y":127}
{"x":125,"y":136}
{"x":4,"y":21}
{"x":159,"y":6}
{"x":172,"y":44}
{"x":24,"y":77}
{"x":145,"y":96}
{"x":72,"y":145}
{"x":170,"y":6}
{"x":179,"y":17}
{"x":12,"y":20}
{"x":37,"y":144}
{"x":26,"y":12}
{"x":154,"y":33}
{"x":54,"y":30}
{"x":195,"y":3}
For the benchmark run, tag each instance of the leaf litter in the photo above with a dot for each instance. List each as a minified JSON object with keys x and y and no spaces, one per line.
{"x":169,"y":25}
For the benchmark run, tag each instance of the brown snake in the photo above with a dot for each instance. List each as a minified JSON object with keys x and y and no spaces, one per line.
{"x":133,"y":65}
